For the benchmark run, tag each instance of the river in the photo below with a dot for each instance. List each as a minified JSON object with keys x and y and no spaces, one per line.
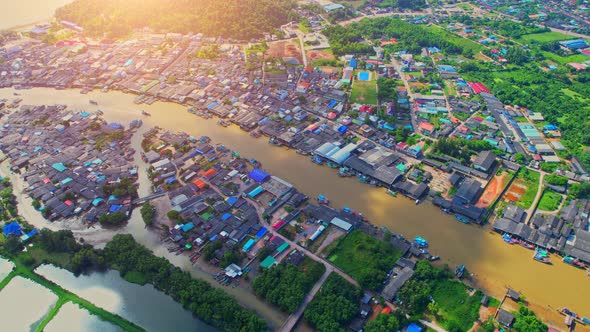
{"x":26,"y":12}
{"x":495,"y":265}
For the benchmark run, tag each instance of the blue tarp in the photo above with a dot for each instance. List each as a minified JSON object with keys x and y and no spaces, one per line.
{"x":226,"y":216}
{"x":231,"y":200}
{"x":212,"y":105}
{"x":115,"y":208}
{"x":12,"y":229}
{"x":33,"y":232}
{"x":195,"y":152}
{"x":258,"y":175}
{"x":171,"y":180}
{"x":261,"y":232}
{"x":332,"y":103}
{"x":342,"y":129}
{"x":414,"y":328}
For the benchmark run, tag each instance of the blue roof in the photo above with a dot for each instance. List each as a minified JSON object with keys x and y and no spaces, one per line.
{"x":12,"y":229}
{"x":60,"y":167}
{"x":226,"y":216}
{"x":33,"y":232}
{"x":115,"y":208}
{"x":112,"y":198}
{"x":332,"y":103}
{"x":352,"y":63}
{"x":414,"y":328}
{"x":231,"y":200}
{"x":249,"y":244}
{"x":66,"y":180}
{"x":258,"y":175}
{"x":188,"y":226}
{"x":171,"y":180}
{"x":255,"y":192}
{"x":212,"y":105}
{"x":261,"y":232}
{"x":97,"y":201}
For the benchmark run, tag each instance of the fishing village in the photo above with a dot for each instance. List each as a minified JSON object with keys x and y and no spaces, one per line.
{"x":433,"y":140}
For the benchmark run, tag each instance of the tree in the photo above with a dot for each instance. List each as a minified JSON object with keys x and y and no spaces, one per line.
{"x":174,"y":215}
{"x":148,"y":213}
{"x":526,"y":321}
{"x":114,"y":218}
{"x":13,"y":244}
{"x":519,"y":158}
{"x":36,"y":204}
{"x":383,"y":322}
{"x":415,"y":296}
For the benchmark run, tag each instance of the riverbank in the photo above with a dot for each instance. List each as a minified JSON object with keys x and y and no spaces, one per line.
{"x":484,"y":253}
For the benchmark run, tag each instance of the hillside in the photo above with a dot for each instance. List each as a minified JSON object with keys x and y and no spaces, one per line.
{"x":240,"y":19}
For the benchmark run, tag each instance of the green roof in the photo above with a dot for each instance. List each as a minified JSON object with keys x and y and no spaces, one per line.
{"x":268,"y":262}
{"x":282,"y":247}
{"x":207,"y":216}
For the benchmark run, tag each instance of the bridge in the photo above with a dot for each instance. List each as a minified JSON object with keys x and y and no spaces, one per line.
{"x":147,"y":198}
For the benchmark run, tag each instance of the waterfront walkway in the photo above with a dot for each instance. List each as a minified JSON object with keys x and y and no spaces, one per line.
{"x":531,"y":210}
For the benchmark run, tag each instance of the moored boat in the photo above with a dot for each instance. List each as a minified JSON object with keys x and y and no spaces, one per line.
{"x":143,"y":112}
{"x":274,"y":141}
{"x":508,"y":239}
{"x":541,"y":256}
{"x":222,"y":123}
{"x":420,"y":242}
{"x":93,"y":102}
{"x":526,"y":244}
{"x":255,"y":133}
{"x":460,"y":270}
{"x":323,"y":200}
{"x":391,"y":192}
{"x":462,"y":219}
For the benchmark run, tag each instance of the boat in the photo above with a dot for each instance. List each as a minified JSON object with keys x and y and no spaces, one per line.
{"x":460,"y":270}
{"x":331,"y":164}
{"x":274,"y":141}
{"x":323,"y":200}
{"x":462,"y":219}
{"x":391,"y":192}
{"x":447,"y":211}
{"x":508,"y":239}
{"x":255,"y":133}
{"x":420,"y":242}
{"x":222,"y":123}
{"x":317,"y":160}
{"x":302,"y":152}
{"x":385,"y":229}
{"x":526,"y":244}
{"x":571,"y":316}
{"x":541,"y":256}
{"x":434,"y":258}
{"x":145,"y":113}
{"x":16,"y":94}
{"x":93,"y":102}
{"x":574,"y":262}
{"x":585,"y":320}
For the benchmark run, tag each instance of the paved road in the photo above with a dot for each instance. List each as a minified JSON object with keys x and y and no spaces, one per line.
{"x":356,"y":19}
{"x":432,"y":326}
{"x":294,"y":318}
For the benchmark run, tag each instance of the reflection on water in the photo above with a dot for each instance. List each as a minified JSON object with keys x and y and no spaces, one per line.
{"x":5,"y":267}
{"x":72,"y":318}
{"x":495,"y":265}
{"x":23,"y":304}
{"x":142,"y":305}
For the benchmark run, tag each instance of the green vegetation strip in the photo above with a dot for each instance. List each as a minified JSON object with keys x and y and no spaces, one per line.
{"x":51,"y":314}
{"x":531,"y":180}
{"x":550,"y":201}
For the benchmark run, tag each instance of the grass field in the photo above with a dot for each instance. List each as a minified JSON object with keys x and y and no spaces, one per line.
{"x":457,"y":40}
{"x":565,"y":59}
{"x":544,"y":37}
{"x":531,"y":180}
{"x":456,"y":307}
{"x":550,"y":201}
{"x":364,"y":92}
{"x":364,"y":257}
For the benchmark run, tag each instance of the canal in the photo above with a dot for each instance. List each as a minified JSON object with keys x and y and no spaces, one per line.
{"x":494,"y":264}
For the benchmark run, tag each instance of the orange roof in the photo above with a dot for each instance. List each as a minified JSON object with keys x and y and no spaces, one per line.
{"x":209,"y":173}
{"x":304,"y":84}
{"x":427,"y":126}
{"x":386,"y":310}
{"x":199,"y":183}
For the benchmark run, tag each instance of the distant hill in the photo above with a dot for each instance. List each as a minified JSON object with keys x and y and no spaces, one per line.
{"x":240,"y":19}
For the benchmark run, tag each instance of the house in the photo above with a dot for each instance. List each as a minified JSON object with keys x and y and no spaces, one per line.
{"x":513,"y":294}
{"x":505,"y":318}
{"x":396,"y":282}
{"x":468,"y":192}
{"x":485,"y":161}
{"x":514,"y":213}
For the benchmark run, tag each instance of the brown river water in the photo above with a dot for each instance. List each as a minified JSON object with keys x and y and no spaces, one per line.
{"x":494,"y":264}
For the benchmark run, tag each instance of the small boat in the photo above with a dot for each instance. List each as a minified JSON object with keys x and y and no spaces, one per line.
{"x":255,"y":134}
{"x":574,"y":262}
{"x":541,"y":256}
{"x":508,"y":239}
{"x":16,"y":94}
{"x":460,"y":270}
{"x":462,"y":219}
{"x":222,"y":123}
{"x":93,"y":102}
{"x":331,"y":164}
{"x":585,"y":320}
{"x":434,"y":258}
{"x":385,"y":229}
{"x":424,"y":251}
{"x":302,"y":152}
{"x":323,"y":200}
{"x":145,"y":113}
{"x":420,"y":242}
{"x":391,"y":192}
{"x":274,"y":141}
{"x":317,"y":160}
{"x":447,"y":211}
{"x":526,"y":244}
{"x":417,"y":202}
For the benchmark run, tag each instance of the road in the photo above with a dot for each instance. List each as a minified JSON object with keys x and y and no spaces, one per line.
{"x":432,"y":326}
{"x":356,"y":19}
{"x":529,"y":212}
{"x":402,"y":75}
{"x":294,"y":318}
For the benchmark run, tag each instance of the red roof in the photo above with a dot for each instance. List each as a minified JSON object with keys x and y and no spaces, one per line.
{"x":46,"y":180}
{"x":478,"y":118}
{"x":199,"y":183}
{"x":427,"y":126}
{"x":332,"y":115}
{"x":463,"y":128}
{"x":304,"y":84}
{"x":308,"y":68}
{"x":210,"y":173}
{"x":278,"y":225}
{"x":68,"y":202}
{"x":386,"y":310}
{"x":478,"y":87}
